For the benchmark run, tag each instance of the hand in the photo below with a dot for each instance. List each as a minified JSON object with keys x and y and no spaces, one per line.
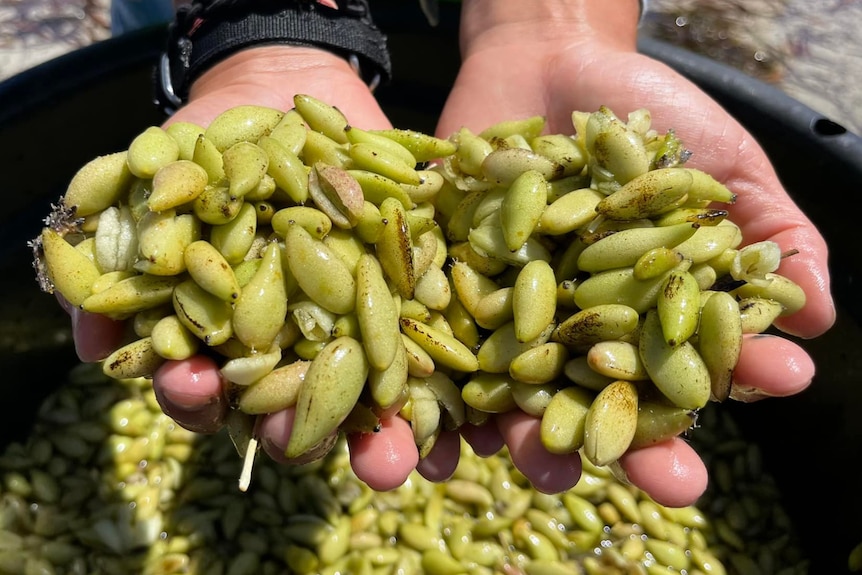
{"x":566,"y":56}
{"x":192,"y":391}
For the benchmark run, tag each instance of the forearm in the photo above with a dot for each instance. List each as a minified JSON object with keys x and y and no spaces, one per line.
{"x":487,"y":23}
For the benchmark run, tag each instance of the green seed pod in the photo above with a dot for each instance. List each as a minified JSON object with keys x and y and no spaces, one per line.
{"x":116,"y":240}
{"x":171,"y":339}
{"x":522,"y":207}
{"x":377,"y":187}
{"x":442,"y":347}
{"x":321,"y":117}
{"x":615,"y":147}
{"x":245,"y":165}
{"x":719,"y":341}
{"x":579,"y":371}
{"x":259,"y":312}
{"x":618,"y":360}
{"x":150,"y":150}
{"x":144,"y":321}
{"x":757,"y":313}
{"x":211,"y":270}
{"x":490,"y":393}
{"x":706,"y":189}
{"x":311,"y":219}
{"x":275,"y":391}
{"x":505,"y":165}
{"x":779,"y":289}
{"x":502,"y":346}
{"x":235,"y":238}
{"x":647,"y":195}
{"x":321,"y":274}
{"x":533,"y":399}
{"x":136,"y":359}
{"x":175,"y":184}
{"x":597,"y":323}
{"x":216,"y":206}
{"x":98,"y":184}
{"x":388,"y":387}
{"x":678,"y":372}
{"x":423,"y":147}
{"x":423,"y":411}
{"x":489,"y":239}
{"x":394,"y":249}
{"x":528,"y":128}
{"x":449,"y":397}
{"x":331,"y":388}
{"x":536,"y":545}
{"x":534,"y":299}
{"x":207,"y":156}
{"x":695,"y":216}
{"x":337,"y":194}
{"x":355,"y":135}
{"x":563,"y":150}
{"x":620,"y":287}
{"x":463,"y":326}
{"x":70,"y":272}
{"x":430,"y":184}
{"x":203,"y":314}
{"x":370,"y":225}
{"x":626,"y":247}
{"x":432,"y":289}
{"x":162,"y":239}
{"x":541,"y":364}
{"x":708,"y":242}
{"x":611,"y":422}
{"x":471,"y":153}
{"x":246,"y":123}
{"x":658,"y":422}
{"x":569,"y":212}
{"x":462,"y":219}
{"x":289,"y":133}
{"x":369,"y":157}
{"x":562,"y":428}
{"x":496,"y":309}
{"x":285,"y":167}
{"x":132,"y":295}
{"x":678,"y":307}
{"x":376,"y":313}
{"x":186,"y":135}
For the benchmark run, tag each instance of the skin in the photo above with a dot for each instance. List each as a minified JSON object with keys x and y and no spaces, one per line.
{"x":569,"y":55}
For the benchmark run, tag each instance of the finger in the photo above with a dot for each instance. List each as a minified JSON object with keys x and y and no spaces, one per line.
{"x":191,"y":393}
{"x":485,"y":440}
{"x":671,"y":472}
{"x":441,"y":461}
{"x":771,"y":366}
{"x":96,"y":336}
{"x":384,"y":459}
{"x":547,"y":472}
{"x":274,"y":430}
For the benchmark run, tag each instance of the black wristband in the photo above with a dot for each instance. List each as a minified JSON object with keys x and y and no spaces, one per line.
{"x":204,"y":33}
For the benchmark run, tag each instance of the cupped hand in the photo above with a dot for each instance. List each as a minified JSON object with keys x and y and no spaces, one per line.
{"x":561,"y":58}
{"x":192,"y":391}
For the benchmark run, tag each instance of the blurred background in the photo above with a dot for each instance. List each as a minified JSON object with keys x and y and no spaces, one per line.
{"x":811,"y":49}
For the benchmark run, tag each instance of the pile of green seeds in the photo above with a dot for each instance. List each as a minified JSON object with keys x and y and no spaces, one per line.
{"x":106,"y":483}
{"x":586,"y":279}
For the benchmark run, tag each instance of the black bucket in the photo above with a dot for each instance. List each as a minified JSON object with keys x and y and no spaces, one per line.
{"x":57,"y":116}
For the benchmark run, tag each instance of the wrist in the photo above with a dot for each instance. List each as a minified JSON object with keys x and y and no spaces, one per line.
{"x":488,"y":23}
{"x":205,"y":32}
{"x":271,"y":75}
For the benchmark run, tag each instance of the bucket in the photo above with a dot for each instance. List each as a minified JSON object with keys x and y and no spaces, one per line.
{"x":57,"y":116}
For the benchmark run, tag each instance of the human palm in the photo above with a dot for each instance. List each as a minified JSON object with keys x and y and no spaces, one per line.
{"x":501,"y":80}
